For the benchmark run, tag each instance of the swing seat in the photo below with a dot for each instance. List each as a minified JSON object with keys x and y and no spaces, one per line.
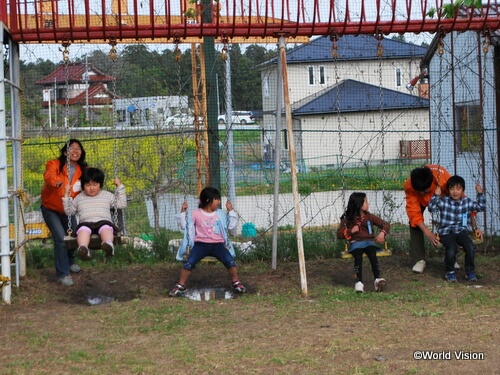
{"x":381,"y":252}
{"x":94,"y":244}
{"x":207,"y":259}
{"x":476,"y":241}
{"x":4,"y":280}
{"x":95,"y":240}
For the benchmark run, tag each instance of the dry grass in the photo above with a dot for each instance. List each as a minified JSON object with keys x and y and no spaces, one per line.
{"x":273,"y":329}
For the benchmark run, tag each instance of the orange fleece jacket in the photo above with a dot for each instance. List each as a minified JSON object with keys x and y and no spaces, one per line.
{"x":415,"y":200}
{"x":51,"y":194}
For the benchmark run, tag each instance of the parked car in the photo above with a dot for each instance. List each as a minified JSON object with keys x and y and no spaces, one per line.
{"x":180,"y":119}
{"x":239,"y":117}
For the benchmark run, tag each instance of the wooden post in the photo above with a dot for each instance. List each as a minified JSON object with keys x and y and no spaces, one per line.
{"x":293,"y":168}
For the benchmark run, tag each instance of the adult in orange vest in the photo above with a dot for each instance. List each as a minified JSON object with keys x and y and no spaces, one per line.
{"x":60,"y":172}
{"x":419,"y":189}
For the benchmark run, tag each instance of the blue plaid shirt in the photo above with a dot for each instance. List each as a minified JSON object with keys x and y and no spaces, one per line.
{"x":455,"y":215}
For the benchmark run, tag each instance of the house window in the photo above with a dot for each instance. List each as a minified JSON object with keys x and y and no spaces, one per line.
{"x":265,"y":87}
{"x":121,"y":115}
{"x":61,"y":94}
{"x":469,"y":126}
{"x":311,"y":75}
{"x":135,"y":118}
{"x":147,"y":114}
{"x":398,"y":77}
{"x":284,"y":139}
{"x":322,"y":75}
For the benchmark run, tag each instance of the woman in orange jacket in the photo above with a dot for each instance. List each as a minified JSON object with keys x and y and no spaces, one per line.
{"x":60,"y":172}
{"x":419,"y":189}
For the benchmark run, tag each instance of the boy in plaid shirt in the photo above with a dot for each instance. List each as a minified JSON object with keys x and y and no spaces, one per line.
{"x":455,"y":215}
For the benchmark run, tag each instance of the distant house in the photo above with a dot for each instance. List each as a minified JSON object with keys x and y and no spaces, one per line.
{"x":77,"y":88}
{"x":356,"y":94}
{"x":347,"y":118}
{"x":73,"y":83}
{"x":149,"y":111}
{"x":83,"y":90}
{"x":464,"y":81}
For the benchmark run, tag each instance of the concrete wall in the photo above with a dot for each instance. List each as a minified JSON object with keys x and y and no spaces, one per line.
{"x":317,"y":209}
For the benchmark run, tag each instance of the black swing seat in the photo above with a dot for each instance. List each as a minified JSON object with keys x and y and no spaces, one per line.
{"x":95,"y":240}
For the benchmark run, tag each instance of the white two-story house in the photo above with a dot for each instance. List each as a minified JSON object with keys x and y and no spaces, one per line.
{"x":350,"y":97}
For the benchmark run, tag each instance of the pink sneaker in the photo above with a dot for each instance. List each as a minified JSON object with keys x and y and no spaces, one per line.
{"x":238,"y":287}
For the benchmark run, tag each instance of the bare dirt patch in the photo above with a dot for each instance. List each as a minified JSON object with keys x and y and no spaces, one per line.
{"x":272,"y":329}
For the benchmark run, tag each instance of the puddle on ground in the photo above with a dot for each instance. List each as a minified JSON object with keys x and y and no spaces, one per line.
{"x":99,"y":300}
{"x":208,"y":294}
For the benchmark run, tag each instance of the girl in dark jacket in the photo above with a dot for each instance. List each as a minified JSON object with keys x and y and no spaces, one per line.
{"x":356,"y":226}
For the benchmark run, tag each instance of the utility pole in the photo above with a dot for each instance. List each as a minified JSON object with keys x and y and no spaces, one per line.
{"x":211,"y":104}
{"x":86,"y":79}
{"x":55,"y":101}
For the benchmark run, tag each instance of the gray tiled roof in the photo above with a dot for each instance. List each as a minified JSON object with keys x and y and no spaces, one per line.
{"x":354,"y":96}
{"x":350,"y":47}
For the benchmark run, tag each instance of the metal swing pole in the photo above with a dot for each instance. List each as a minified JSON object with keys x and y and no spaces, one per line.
{"x":113,"y":55}
{"x":295,"y":188}
{"x":4,"y":195}
{"x":231,"y":190}
{"x":17,"y":170}
{"x":277,"y":163}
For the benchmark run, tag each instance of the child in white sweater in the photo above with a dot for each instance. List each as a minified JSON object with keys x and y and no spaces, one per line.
{"x":93,"y":207}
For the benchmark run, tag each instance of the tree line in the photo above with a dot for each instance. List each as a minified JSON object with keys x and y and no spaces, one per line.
{"x":143,"y":72}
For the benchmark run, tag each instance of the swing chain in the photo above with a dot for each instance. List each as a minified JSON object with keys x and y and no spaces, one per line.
{"x":339,"y":128}
{"x":486,"y":41}
{"x":66,"y":60}
{"x":486,"y":46}
{"x":69,"y":231}
{"x":440,"y":51}
{"x":380,"y":47}
{"x":335,"y":49}
{"x":335,"y":56}
{"x":177,"y":57}
{"x":224,"y":41}
{"x":177,"y":51}
{"x":113,"y":55}
{"x":65,"y":50}
{"x":382,"y":125}
{"x":440,"y":46}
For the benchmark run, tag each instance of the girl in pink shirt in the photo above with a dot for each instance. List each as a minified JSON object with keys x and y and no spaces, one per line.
{"x":206,"y":234}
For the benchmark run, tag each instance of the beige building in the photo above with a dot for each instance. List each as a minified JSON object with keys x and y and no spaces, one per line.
{"x":358,"y":104}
